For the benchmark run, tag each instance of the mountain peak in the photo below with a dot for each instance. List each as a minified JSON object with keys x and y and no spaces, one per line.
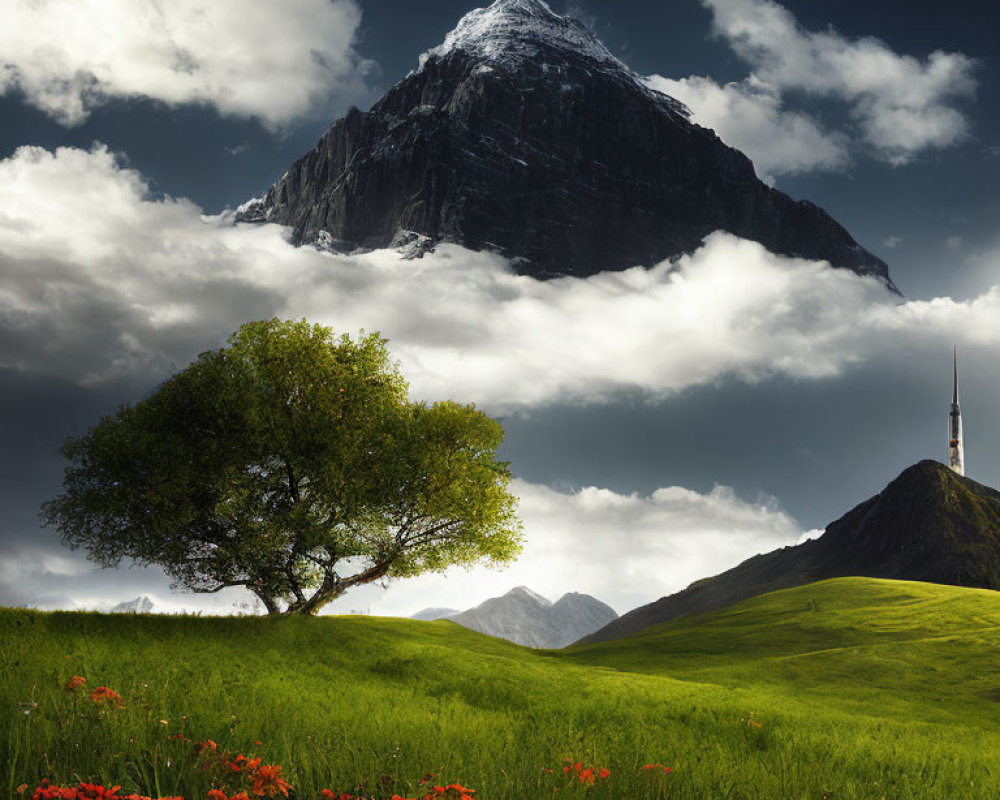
{"x":928,"y":524}
{"x":523,"y":135}
{"x":509,"y":31}
{"x":524,"y":591}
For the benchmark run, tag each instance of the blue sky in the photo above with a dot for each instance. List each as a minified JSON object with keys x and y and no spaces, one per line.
{"x":668,"y":443}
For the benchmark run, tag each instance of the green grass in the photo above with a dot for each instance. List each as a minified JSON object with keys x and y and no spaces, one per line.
{"x":864,"y":688}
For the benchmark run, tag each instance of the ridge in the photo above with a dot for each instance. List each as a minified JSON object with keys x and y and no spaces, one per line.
{"x":928,"y":524}
{"x":509,"y":31}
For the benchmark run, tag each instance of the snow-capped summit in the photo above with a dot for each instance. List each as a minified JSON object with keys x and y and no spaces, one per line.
{"x":511,"y":30}
{"x":522,"y":134}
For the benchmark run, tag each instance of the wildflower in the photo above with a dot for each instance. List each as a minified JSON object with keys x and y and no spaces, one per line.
{"x":427,"y":778}
{"x":454,"y":791}
{"x":164,"y":722}
{"x":217,"y":794}
{"x":208,"y":744}
{"x":267,"y":780}
{"x":657,"y":768}
{"x":21,"y":788}
{"x":74,"y":682}
{"x":106,"y":695}
{"x":93,"y":791}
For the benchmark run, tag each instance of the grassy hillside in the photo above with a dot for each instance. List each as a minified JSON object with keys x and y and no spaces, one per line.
{"x":863,"y":688}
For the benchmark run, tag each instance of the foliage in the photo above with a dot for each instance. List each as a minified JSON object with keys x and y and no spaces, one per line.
{"x":290,"y":463}
{"x":853,"y":688}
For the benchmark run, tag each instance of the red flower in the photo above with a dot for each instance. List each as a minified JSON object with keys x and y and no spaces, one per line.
{"x":102,"y":694}
{"x":217,"y":794}
{"x":453,"y":791}
{"x":208,"y":744}
{"x":659,"y":767}
{"x":267,"y":780}
{"x":74,"y":682}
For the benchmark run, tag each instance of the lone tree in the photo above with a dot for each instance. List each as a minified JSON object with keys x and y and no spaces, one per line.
{"x":290,"y":463}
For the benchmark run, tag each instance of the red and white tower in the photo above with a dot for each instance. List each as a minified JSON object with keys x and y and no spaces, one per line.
{"x":956,"y":447}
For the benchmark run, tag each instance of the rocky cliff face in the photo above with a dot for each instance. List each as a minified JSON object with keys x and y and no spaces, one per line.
{"x":929,"y":524}
{"x":528,"y":619}
{"x":523,"y":134}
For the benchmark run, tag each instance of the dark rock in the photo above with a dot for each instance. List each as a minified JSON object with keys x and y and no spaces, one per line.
{"x":523,"y":134}
{"x":930,"y":524}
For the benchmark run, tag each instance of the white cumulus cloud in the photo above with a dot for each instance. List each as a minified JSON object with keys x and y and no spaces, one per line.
{"x":898,"y":106}
{"x":658,"y":543}
{"x":750,"y":116}
{"x":903,"y":105}
{"x":275,"y":61}
{"x":102,"y":281}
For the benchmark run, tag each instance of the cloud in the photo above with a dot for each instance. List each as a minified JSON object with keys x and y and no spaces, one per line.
{"x":902,"y":105}
{"x":749,"y":116}
{"x":102,"y":281}
{"x":899,"y":106}
{"x":658,"y":543}
{"x":275,"y":61}
{"x":892,"y":242}
{"x":49,"y":578}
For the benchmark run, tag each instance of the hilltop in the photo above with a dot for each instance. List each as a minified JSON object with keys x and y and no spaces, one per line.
{"x":929,"y":524}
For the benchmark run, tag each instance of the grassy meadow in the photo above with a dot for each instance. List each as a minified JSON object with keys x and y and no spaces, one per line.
{"x":849,"y":688}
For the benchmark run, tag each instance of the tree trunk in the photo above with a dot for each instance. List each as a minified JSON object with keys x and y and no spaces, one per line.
{"x":269,"y":603}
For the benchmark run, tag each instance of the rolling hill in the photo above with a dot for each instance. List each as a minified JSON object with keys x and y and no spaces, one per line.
{"x":860,"y":687}
{"x":929,"y":524}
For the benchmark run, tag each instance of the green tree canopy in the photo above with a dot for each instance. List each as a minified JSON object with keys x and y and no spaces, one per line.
{"x":290,"y":463}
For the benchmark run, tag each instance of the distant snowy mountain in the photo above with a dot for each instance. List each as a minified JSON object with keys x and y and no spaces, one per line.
{"x":434,"y":613}
{"x":523,"y":134}
{"x":141,"y":605}
{"x":526,"y":618}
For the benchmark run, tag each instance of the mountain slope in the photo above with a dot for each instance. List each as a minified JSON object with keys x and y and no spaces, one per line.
{"x":523,"y":134}
{"x":528,"y":619}
{"x":929,"y":524}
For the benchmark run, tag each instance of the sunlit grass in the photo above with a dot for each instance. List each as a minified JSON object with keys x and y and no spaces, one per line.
{"x":862,"y":688}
